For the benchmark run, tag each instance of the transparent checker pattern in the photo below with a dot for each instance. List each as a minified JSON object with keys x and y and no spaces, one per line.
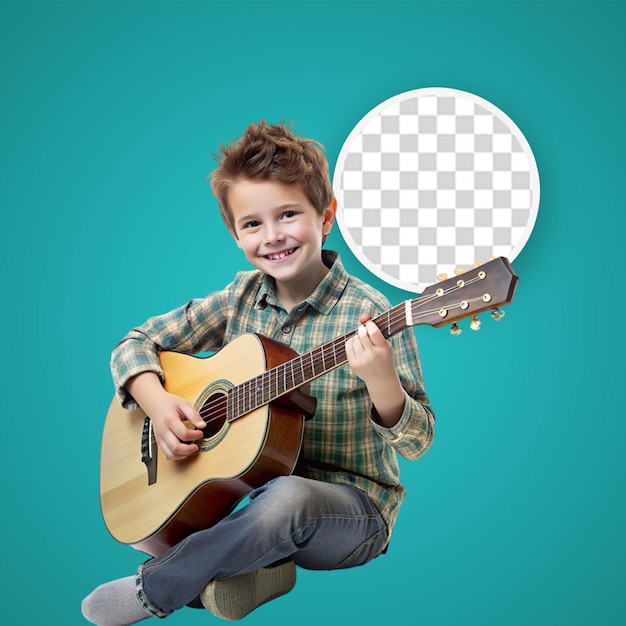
{"x":434,"y":180}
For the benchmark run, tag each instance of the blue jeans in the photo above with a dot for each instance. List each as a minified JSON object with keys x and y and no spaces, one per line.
{"x":318,"y":525}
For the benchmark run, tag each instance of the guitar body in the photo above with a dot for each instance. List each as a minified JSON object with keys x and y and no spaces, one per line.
{"x":153,"y":510}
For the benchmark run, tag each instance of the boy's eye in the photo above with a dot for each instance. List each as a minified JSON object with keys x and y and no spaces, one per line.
{"x":251,"y":224}
{"x":289,"y":214}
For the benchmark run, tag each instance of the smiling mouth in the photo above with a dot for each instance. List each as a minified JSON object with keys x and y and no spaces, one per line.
{"x":279,"y":256}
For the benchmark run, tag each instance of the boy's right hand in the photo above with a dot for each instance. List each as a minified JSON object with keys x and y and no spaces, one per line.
{"x":170,"y":415}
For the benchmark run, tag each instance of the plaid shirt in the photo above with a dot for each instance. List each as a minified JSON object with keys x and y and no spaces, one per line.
{"x":343,"y":443}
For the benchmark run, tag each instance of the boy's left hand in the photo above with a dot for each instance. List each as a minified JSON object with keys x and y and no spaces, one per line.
{"x":369,"y":354}
{"x":370,"y":357}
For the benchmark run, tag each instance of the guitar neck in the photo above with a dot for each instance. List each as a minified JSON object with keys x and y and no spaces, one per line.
{"x":285,"y":378}
{"x":477,"y":290}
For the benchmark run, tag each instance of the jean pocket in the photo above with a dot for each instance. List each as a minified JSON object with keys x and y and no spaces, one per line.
{"x":367,"y":551}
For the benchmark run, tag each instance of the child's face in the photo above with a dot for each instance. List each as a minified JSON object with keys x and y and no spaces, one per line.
{"x":278,"y":229}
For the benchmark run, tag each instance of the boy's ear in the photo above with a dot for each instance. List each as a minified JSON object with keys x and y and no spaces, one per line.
{"x":330,"y":213}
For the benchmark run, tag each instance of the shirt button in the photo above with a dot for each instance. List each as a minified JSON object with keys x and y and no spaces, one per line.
{"x":286,"y":329}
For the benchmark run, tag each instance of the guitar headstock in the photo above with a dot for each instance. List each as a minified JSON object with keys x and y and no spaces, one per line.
{"x":482,"y":288}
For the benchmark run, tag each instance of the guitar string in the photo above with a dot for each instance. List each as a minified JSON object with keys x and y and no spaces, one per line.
{"x":317,"y":357}
{"x":395,"y":314}
{"x":218,"y":404}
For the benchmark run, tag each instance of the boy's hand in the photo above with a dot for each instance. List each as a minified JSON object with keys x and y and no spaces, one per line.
{"x":168,"y":414}
{"x":370,"y":357}
{"x":369,"y":354}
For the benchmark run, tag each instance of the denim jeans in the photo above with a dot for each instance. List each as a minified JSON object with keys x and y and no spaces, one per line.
{"x":318,"y":525}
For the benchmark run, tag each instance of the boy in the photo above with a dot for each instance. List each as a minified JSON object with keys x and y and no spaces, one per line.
{"x":338,"y":508}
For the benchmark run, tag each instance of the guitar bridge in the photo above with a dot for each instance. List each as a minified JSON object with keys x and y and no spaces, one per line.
{"x":149,"y":450}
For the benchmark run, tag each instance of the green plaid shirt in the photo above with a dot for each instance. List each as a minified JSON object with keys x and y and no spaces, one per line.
{"x":343,"y":443}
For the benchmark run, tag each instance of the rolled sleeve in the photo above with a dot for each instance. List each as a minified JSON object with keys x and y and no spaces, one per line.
{"x":197,"y":326}
{"x":135,"y":354}
{"x":413,"y":434}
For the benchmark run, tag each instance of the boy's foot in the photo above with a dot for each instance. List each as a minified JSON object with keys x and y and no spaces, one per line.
{"x":233,"y":598}
{"x":114,"y":604}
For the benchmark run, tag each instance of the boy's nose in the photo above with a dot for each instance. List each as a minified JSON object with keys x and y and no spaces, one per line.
{"x":273,"y":234}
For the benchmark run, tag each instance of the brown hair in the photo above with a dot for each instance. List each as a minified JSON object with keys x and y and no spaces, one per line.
{"x":272,"y":152}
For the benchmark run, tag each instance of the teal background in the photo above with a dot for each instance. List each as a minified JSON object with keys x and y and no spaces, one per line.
{"x":109,"y":114}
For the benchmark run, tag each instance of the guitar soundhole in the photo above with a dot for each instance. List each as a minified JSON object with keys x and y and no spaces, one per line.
{"x":213,"y":412}
{"x":212,"y":406}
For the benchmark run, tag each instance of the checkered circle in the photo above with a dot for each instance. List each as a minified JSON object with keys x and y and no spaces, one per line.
{"x":434,"y":180}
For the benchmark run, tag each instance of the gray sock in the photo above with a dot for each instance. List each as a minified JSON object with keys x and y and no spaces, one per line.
{"x":114,"y":604}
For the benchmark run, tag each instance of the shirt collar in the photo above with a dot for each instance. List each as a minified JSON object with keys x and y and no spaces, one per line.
{"x":325,"y":296}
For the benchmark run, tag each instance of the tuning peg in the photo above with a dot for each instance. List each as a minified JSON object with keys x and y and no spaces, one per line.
{"x":477,"y":264}
{"x":475,"y":323}
{"x":458,"y":271}
{"x":497,"y":314}
{"x":455,"y":330}
{"x":442,"y":277}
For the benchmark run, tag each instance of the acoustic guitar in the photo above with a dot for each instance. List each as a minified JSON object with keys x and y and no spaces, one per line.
{"x":252,"y":395}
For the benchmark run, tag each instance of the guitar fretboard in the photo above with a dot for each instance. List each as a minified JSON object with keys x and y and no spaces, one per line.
{"x":284,"y":378}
